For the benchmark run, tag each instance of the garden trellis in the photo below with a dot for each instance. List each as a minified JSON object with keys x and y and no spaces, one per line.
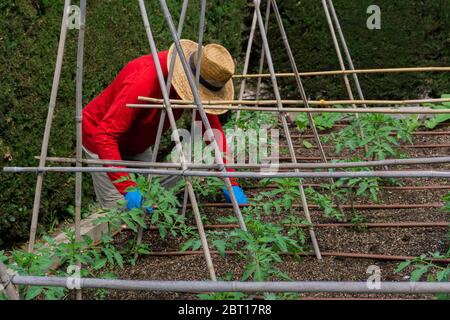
{"x":186,"y":169}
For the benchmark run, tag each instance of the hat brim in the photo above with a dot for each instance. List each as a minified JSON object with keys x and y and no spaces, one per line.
{"x":181,"y":84}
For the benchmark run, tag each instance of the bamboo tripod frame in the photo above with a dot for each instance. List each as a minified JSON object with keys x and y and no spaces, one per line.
{"x":185,"y":168}
{"x":341,"y":72}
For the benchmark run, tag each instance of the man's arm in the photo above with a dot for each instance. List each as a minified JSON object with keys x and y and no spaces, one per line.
{"x":216,"y":126}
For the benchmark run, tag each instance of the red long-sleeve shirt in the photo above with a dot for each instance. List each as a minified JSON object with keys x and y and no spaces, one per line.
{"x":110,"y":129}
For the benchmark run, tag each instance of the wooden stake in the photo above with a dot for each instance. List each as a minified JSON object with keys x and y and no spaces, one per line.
{"x":5,"y":281}
{"x":342,"y":72}
{"x":48,"y":126}
{"x":300,"y":102}
{"x":418,"y":110}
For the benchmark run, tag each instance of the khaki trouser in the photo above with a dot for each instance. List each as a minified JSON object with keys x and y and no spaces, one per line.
{"x":105,"y":191}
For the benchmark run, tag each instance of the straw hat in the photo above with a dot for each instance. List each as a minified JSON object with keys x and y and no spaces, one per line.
{"x":216,"y":71}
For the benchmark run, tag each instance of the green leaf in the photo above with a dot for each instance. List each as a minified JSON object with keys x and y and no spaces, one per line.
{"x":187,"y":245}
{"x":155,"y":217}
{"x":197,"y":244}
{"x":362,"y":188}
{"x":54,"y":293}
{"x":119,"y":259}
{"x":99,"y":264}
{"x":267,"y":206}
{"x":302,"y":121}
{"x":402,"y":266}
{"x":281,"y":244}
{"x":446,"y":96}
{"x":220,"y":246}
{"x":307,"y":144}
{"x":417,"y":274}
{"x":162,"y":231}
{"x":443,"y":275}
{"x":33,"y":292}
{"x":143,"y":250}
{"x":249,"y":270}
{"x":128,"y":222}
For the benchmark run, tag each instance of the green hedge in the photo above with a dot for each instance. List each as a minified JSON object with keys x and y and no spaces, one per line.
{"x":413,"y":33}
{"x":28,"y":44}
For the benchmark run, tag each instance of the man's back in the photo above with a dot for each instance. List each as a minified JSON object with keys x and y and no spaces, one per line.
{"x":108,"y":114}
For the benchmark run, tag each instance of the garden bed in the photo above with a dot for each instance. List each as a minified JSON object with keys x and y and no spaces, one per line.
{"x":412,"y":241}
{"x":277,"y":245}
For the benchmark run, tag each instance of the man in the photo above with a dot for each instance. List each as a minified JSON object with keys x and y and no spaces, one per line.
{"x":111,"y":131}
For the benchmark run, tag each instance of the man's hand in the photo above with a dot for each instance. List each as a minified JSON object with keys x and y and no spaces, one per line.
{"x":238,"y":193}
{"x":134,"y":200}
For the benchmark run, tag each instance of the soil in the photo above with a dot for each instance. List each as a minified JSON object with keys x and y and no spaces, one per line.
{"x":387,"y":241}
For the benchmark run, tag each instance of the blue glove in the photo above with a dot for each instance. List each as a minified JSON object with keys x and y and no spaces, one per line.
{"x":238,"y":193}
{"x":134,"y":200}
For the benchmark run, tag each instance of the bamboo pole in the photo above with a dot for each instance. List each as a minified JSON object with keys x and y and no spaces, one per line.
{"x":347,"y":206}
{"x":197,"y":82}
{"x":337,"y":165}
{"x":300,"y":102}
{"x":282,"y":115}
{"x":6,"y":284}
{"x":263,"y":53}
{"x":417,"y":133}
{"x":282,"y":158}
{"x":169,"y":85}
{"x":221,"y":174}
{"x":346,"y":50}
{"x":384,"y":110}
{"x":247,"y":61}
{"x":376,"y":225}
{"x":342,"y":64}
{"x":417,"y":146}
{"x":343,"y":72}
{"x":48,"y":125}
{"x":79,"y":144}
{"x":197,"y":99}
{"x":350,"y":255}
{"x":299,"y":82}
{"x":162,"y":118}
{"x":176,"y":136}
{"x":236,"y":286}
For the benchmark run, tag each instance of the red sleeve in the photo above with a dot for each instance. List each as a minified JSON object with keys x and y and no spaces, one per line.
{"x":220,"y":138}
{"x":118,"y":120}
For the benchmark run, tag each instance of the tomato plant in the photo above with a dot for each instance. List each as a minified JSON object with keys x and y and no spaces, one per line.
{"x":322,"y":121}
{"x":424,"y":267}
{"x":164,"y":203}
{"x":280,"y":198}
{"x":378,"y":141}
{"x":103,"y":258}
{"x":434,"y":121}
{"x":264,"y":244}
{"x":33,"y":263}
{"x":250,"y":120}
